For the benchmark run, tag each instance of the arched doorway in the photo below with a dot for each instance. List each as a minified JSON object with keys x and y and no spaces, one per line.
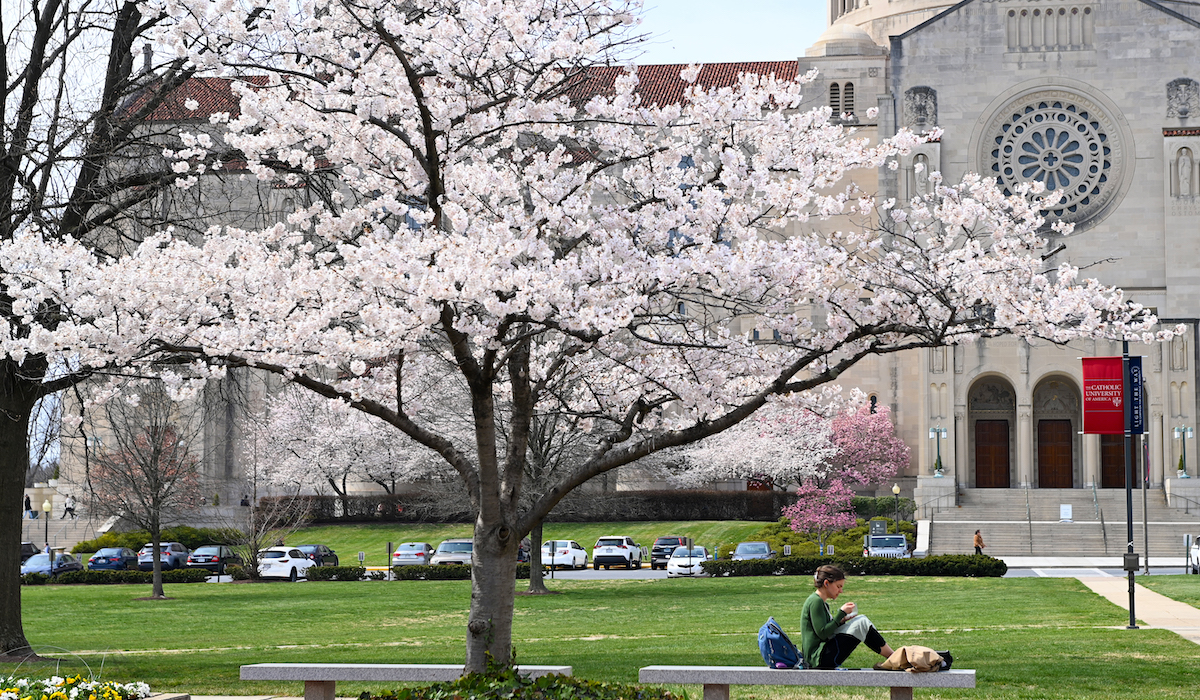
{"x":1056,"y":415}
{"x":992,"y":407}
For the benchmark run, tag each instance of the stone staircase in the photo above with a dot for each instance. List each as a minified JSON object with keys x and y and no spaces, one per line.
{"x":1013,"y":526}
{"x":64,"y":533}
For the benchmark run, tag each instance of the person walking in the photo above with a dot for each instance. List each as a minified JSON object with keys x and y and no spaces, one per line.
{"x":29,"y":511}
{"x":68,"y":508}
{"x":979,"y":545}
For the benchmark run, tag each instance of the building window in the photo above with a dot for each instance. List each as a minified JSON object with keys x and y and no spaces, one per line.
{"x":848,"y":99}
{"x":835,"y":99}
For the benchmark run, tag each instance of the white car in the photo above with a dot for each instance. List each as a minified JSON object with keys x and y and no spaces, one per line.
{"x":1196,"y":555}
{"x":564,"y":554}
{"x":616,"y":550}
{"x":283,"y":562}
{"x":686,"y":562}
{"x":457,"y":551}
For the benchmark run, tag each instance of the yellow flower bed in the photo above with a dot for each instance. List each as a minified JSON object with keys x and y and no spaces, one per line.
{"x":70,"y":688}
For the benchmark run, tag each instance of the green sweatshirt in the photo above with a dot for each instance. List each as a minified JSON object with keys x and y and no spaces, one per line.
{"x":817,"y":627}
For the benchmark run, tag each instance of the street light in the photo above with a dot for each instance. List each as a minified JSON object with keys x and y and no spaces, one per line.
{"x":1182,"y":433}
{"x":938,"y":433}
{"x":896,"y":493}
{"x":46,"y":509}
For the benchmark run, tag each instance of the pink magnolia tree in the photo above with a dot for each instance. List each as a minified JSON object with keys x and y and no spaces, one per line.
{"x":868,"y":449}
{"x":504,"y":207}
{"x":821,"y":510}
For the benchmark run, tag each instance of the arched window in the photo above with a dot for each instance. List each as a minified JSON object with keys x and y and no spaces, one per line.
{"x":835,"y":99}
{"x":848,"y":99}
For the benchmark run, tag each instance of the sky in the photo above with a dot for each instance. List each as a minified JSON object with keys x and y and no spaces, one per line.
{"x":712,"y":31}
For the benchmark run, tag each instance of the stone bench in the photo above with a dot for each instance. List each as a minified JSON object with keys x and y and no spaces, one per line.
{"x":320,"y":680}
{"x":717,"y":679}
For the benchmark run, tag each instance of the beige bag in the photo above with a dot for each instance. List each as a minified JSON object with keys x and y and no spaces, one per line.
{"x":914,"y":659}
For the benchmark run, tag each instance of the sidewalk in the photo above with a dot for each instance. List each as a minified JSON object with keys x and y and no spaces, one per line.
{"x":1153,"y":610}
{"x":1110,"y":562}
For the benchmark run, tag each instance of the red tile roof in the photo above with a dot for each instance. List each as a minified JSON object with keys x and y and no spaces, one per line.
{"x":658,"y":85}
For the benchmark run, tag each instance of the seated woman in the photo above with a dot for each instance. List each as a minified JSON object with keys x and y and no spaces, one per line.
{"x":828,"y":639}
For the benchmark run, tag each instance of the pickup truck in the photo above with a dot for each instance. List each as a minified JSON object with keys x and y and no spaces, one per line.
{"x":890,"y":546}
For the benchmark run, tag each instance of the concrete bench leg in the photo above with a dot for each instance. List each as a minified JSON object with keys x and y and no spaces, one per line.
{"x":897,"y":694}
{"x":324,"y":690}
{"x":711,"y":692}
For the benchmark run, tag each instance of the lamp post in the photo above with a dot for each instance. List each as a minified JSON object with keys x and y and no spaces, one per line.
{"x":1182,"y":433}
{"x":938,"y":433}
{"x":896,"y":495}
{"x":46,"y":510}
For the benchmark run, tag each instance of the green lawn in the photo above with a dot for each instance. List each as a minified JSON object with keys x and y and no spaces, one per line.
{"x":372,"y":538}
{"x":1184,"y":588}
{"x":1028,"y":637}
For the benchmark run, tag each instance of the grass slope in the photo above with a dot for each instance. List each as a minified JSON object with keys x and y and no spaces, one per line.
{"x":372,"y":538}
{"x":1028,"y":638}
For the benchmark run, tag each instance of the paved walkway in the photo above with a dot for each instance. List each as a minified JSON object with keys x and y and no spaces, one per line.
{"x":1152,"y":609}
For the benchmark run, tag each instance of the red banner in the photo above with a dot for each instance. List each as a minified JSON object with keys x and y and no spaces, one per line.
{"x":1103,"y":396}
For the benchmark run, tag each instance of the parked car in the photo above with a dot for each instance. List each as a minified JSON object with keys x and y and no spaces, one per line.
{"x":686,"y":561}
{"x":563,"y":554}
{"x":284,"y":562}
{"x":40,"y":564}
{"x":172,"y":555}
{"x":453,"y":552}
{"x":890,"y":546}
{"x":1195,"y":555}
{"x":319,"y":553}
{"x":617,"y":550}
{"x":214,"y":557}
{"x":752,"y":550}
{"x":660,"y":552}
{"x":28,"y":549}
{"x":113,"y":559}
{"x":409,"y":553}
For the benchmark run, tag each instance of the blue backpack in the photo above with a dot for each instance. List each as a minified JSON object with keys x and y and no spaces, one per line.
{"x":777,"y":650}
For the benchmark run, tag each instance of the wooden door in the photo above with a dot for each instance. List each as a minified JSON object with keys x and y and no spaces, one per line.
{"x":991,"y":454}
{"x":1054,"y":454}
{"x":1112,"y":462}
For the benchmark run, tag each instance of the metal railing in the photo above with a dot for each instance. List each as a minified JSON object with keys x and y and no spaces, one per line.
{"x":929,"y":506}
{"x":1100,"y":516}
{"x":1187,"y":503}
{"x":1029,"y":519}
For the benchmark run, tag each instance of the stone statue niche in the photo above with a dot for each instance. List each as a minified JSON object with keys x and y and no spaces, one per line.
{"x":921,"y":174}
{"x":1185,"y":165}
{"x":1183,"y":98}
{"x":920,"y":108}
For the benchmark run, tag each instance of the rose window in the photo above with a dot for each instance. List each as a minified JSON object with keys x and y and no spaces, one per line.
{"x":1066,"y":144}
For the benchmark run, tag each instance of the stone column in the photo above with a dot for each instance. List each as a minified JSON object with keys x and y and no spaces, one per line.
{"x":1024,"y":446}
{"x":1091,"y":460}
{"x":959,"y":450}
{"x":1157,"y":430}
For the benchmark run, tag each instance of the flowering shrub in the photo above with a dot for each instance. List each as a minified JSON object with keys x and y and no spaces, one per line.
{"x":70,"y":688}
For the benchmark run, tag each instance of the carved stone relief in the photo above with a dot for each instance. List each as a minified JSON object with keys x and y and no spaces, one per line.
{"x":1179,"y":361}
{"x":990,"y":395}
{"x":1056,"y":397}
{"x":920,"y":108}
{"x":921,"y":174}
{"x":1185,"y":167}
{"x":1067,"y":28}
{"x":937,"y":360}
{"x":1183,"y":98}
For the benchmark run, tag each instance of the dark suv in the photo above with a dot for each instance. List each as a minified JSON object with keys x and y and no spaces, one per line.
{"x":661,"y":551}
{"x":28,"y":549}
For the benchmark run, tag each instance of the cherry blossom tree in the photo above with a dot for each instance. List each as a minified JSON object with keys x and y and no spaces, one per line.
{"x":821,"y":510}
{"x":509,"y":208}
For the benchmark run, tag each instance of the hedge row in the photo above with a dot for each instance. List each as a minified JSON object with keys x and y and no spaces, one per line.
{"x":336,"y":573}
{"x":972,"y":565}
{"x":107,"y":577}
{"x":444,"y":572}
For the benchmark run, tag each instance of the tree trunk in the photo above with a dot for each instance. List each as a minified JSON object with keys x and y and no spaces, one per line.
{"x":537,"y":585}
{"x":493,"y":589}
{"x":17,"y":397}
{"x":156,"y":539}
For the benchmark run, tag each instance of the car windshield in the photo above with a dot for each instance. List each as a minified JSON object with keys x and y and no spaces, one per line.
{"x":207,"y":550}
{"x":410,"y":547}
{"x":683,"y":552}
{"x":451,"y":547}
{"x":753,"y":548}
{"x":108,"y":552}
{"x":896,"y":541}
{"x":38,"y":560}
{"x":610,"y":542}
{"x":667,"y":540}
